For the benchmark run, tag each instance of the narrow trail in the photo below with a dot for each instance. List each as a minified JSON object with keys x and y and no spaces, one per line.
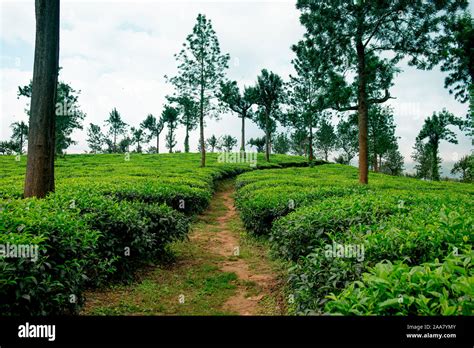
{"x":227,"y":242}
{"x":218,"y":271}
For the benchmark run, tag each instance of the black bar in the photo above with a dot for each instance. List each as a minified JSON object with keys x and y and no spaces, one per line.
{"x":245,"y":330}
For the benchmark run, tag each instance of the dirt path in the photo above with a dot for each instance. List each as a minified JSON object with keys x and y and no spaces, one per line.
{"x":219,"y":271}
{"x":226,"y":241}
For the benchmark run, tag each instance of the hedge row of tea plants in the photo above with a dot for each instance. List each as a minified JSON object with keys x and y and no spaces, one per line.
{"x":109,"y":216}
{"x":310,"y":214}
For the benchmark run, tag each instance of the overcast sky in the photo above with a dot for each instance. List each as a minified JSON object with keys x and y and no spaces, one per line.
{"x":117,"y":53}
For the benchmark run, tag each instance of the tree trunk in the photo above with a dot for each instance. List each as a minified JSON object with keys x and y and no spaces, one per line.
{"x":363,"y":115}
{"x":158,"y":143}
{"x":311,"y":155}
{"x":186,"y":140}
{"x":242,"y":146}
{"x":434,"y":160}
{"x":39,"y":178}
{"x":267,"y":137}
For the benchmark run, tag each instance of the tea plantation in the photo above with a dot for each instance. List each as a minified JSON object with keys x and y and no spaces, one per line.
{"x":109,"y":216}
{"x":398,"y":246}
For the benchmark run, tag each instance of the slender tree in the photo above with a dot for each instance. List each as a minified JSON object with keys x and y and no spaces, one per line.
{"x":155,"y":127}
{"x":189,"y":115}
{"x":240,"y":103}
{"x":170,"y":116}
{"x":353,"y":35}
{"x":116,"y":126}
{"x":436,"y":129}
{"x":95,"y":138}
{"x":39,"y":179}
{"x":347,"y":134}
{"x":325,"y":138}
{"x":305,"y":93}
{"x":212,"y":142}
{"x":20,"y":134}
{"x":269,"y":95}
{"x":138,"y":137}
{"x":200,"y":72}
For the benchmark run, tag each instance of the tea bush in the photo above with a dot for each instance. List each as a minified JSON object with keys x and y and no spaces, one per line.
{"x":108,"y":217}
{"x":393,"y":219}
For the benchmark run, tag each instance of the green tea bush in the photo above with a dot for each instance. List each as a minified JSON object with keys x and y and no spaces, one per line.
{"x":393,"y":219}
{"x":53,"y":283}
{"x":434,"y":288}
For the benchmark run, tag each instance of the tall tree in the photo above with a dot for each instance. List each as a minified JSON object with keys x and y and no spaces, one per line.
{"x":68,"y":117}
{"x":436,"y":129}
{"x":116,"y":126}
{"x":240,"y":103}
{"x":189,"y":112}
{"x":381,"y":134}
{"x":347,"y":134}
{"x":325,"y":137}
{"x":200,"y":72}
{"x":269,"y":95}
{"x":95,"y":138}
{"x":138,"y":137}
{"x":426,"y":165}
{"x":212,"y":142}
{"x":39,"y":179}
{"x":305,"y":97}
{"x":155,"y":127}
{"x":353,"y":35}
{"x":20,"y":134}
{"x":170,"y":116}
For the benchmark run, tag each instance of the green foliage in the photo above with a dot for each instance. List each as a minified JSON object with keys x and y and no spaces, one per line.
{"x":325,"y":137}
{"x":436,"y":129}
{"x":281,"y":144}
{"x":20,"y":135}
{"x":259,"y":143}
{"x":347,"y":139}
{"x":155,"y":127}
{"x":108,"y":217}
{"x":434,"y":288}
{"x":269,"y":94}
{"x":170,"y":116}
{"x":212,"y":142}
{"x":200,"y":71}
{"x":465,"y":167}
{"x":95,"y":138}
{"x":116,"y":127}
{"x":69,"y":116}
{"x":227,"y":143}
{"x":308,"y":211}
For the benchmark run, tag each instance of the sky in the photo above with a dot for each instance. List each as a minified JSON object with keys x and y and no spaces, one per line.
{"x":118,"y":52}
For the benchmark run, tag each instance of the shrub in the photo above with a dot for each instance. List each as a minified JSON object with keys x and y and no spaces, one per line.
{"x":432,"y":288}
